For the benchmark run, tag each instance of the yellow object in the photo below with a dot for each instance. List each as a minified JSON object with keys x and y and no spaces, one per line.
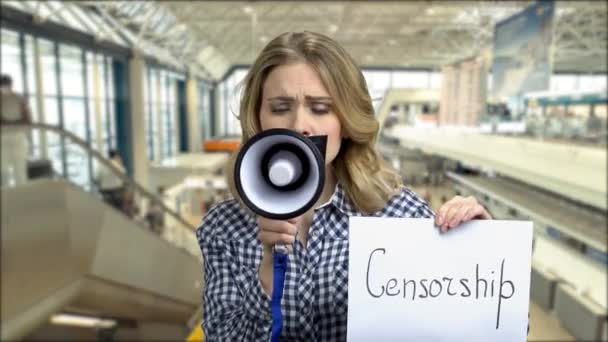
{"x":197,"y":334}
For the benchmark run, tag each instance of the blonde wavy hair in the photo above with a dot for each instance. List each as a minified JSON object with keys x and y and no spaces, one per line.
{"x":368,"y":180}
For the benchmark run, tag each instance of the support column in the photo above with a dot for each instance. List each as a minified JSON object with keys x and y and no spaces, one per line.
{"x":137,"y":68}
{"x":194,"y":127}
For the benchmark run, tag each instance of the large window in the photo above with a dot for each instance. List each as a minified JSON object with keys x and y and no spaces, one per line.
{"x":229,"y":96}
{"x":150,"y":107}
{"x":564,"y":82}
{"x":52,"y":116}
{"x":168,"y":114}
{"x":31,"y":91}
{"x":161,"y":105}
{"x":75,"y":118}
{"x":410,"y":79}
{"x":204,"y":109}
{"x":11,"y":59}
{"x":380,"y":81}
{"x":75,"y":93}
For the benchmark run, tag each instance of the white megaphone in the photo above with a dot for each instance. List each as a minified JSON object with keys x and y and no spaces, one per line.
{"x":279,"y":174}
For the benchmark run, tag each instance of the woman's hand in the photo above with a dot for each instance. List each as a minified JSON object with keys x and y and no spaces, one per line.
{"x":458,"y":210}
{"x":273,"y":232}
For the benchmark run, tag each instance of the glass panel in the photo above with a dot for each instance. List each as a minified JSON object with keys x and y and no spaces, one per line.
{"x":377,"y":83}
{"x":411,"y":79}
{"x":103,"y":81}
{"x":51,"y":110}
{"x":435,"y":80}
{"x":110,"y":92}
{"x":54,"y":153}
{"x":150,"y":131}
{"x":111,"y":122}
{"x":91,"y":75}
{"x":592,"y":82}
{"x":221,"y":115}
{"x":35,"y":147}
{"x":234,"y":90}
{"x":74,"y":116}
{"x":11,"y":58}
{"x":105,"y":145}
{"x":167,"y":130}
{"x":31,"y":102}
{"x":78,"y":165}
{"x":203,"y":111}
{"x":72,"y":82}
{"x":103,"y":119}
{"x":93,"y":124}
{"x":49,"y":71}
{"x":170,"y":89}
{"x":52,"y":139}
{"x":148,"y":116}
{"x":30,"y":67}
{"x":563,"y":82}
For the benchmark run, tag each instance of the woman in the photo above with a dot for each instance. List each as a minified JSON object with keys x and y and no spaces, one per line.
{"x":308,"y":83}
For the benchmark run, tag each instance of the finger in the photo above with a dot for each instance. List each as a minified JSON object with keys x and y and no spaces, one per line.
{"x":440,"y":218}
{"x":449,"y":216}
{"x":478,"y":212}
{"x":459,"y":216}
{"x":277,"y":226}
{"x":272,"y":238}
{"x":294,"y":220}
{"x":281,"y":227}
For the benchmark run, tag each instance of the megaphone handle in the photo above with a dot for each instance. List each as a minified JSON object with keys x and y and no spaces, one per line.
{"x":279,"y":268}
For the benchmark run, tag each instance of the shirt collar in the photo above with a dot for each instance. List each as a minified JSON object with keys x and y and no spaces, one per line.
{"x":339,"y":199}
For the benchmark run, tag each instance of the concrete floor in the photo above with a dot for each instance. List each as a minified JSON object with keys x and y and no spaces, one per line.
{"x":545,"y":327}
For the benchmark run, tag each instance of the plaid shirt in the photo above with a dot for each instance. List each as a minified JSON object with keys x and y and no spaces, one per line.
{"x":315,"y":296}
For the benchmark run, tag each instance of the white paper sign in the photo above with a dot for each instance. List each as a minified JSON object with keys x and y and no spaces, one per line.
{"x":409,"y":282}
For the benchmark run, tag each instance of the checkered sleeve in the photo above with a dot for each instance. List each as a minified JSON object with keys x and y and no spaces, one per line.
{"x":235,"y":307}
{"x":416,"y":206}
{"x":424,"y":211}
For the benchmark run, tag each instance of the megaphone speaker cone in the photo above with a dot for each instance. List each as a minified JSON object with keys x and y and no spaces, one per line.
{"x":279,"y":174}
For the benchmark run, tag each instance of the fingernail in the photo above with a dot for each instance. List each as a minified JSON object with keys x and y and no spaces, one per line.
{"x":439,"y":220}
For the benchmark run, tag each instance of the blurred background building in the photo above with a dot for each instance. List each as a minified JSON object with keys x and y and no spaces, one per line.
{"x":503,"y":100}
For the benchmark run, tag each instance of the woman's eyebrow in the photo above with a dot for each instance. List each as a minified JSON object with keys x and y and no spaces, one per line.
{"x":292,"y":99}
{"x":281,"y":98}
{"x":317,"y":98}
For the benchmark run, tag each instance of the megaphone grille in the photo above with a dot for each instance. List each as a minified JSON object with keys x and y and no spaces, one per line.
{"x":259,"y":194}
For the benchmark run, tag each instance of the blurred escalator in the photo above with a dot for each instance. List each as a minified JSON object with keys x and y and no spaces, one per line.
{"x":65,"y":250}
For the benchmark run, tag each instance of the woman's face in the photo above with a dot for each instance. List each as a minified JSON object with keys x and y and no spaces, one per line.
{"x":295,"y":98}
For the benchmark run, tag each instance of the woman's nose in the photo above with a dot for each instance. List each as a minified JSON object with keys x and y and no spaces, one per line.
{"x":301,"y":124}
{"x":304,"y":132}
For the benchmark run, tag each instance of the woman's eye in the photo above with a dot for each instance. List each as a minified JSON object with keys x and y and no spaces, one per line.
{"x":320,"y":108}
{"x":279,"y":108}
